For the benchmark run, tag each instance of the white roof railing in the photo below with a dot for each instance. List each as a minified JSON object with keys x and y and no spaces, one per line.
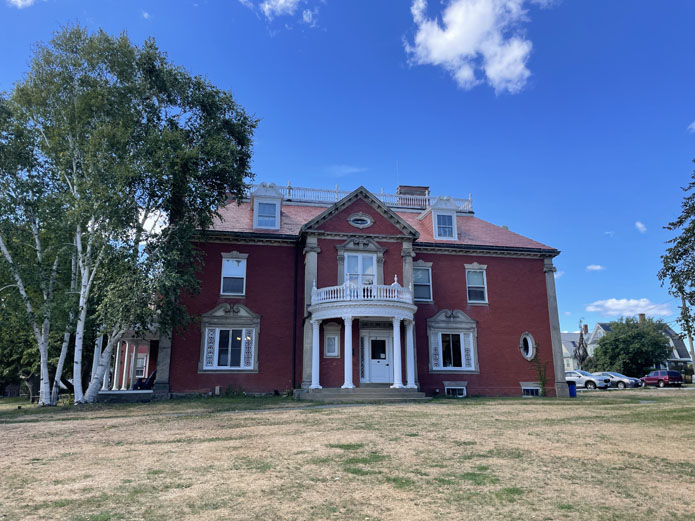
{"x":322,"y":195}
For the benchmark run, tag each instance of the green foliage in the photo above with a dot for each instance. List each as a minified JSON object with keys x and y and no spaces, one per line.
{"x":678,"y":269}
{"x":631,"y":348}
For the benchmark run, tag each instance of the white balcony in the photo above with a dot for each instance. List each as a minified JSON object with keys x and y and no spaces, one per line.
{"x":362,"y":300}
{"x":362,"y":292}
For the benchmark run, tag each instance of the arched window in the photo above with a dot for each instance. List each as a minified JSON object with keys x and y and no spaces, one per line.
{"x":527,"y":346}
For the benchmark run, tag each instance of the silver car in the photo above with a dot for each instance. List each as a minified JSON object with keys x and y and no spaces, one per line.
{"x":587,"y":380}
{"x":620,"y":380}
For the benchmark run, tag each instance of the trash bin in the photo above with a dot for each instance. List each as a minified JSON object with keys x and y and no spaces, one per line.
{"x":573,"y":389}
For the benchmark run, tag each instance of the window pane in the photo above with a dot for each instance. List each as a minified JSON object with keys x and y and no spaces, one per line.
{"x":447,"y":357}
{"x":233,"y":267}
{"x":444,"y":220}
{"x":266,"y":210}
{"x":422,"y":292}
{"x":421,"y":275}
{"x":475,"y":278}
{"x":456,"y":350}
{"x":267,"y":222}
{"x":368,"y":279}
{"x":353,"y":278}
{"x":223,"y":348}
{"x":378,"y":349}
{"x":331,"y":346}
{"x":232,"y":285}
{"x":476,"y":295}
{"x":351,"y":263}
{"x":235,"y":355}
{"x":367,"y":265}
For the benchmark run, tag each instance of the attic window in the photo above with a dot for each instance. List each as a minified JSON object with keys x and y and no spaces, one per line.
{"x":444,"y":225}
{"x":266,"y":214}
{"x":360,"y":220}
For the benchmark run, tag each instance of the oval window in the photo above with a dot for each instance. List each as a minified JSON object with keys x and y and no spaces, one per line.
{"x":527,"y":346}
{"x":360,"y":220}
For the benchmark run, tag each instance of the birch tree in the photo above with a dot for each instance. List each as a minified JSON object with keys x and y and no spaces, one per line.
{"x":141,"y":154}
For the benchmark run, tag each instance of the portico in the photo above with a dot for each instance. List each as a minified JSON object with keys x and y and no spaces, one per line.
{"x":380,"y":356}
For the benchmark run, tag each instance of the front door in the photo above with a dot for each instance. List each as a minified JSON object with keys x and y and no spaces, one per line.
{"x":378,"y":359}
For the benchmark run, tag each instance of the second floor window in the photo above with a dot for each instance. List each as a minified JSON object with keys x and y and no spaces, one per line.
{"x":360,"y":269}
{"x":477,"y":290}
{"x":233,"y":276}
{"x":422,"y":283}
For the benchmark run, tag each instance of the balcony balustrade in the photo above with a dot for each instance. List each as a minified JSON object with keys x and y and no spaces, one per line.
{"x":362,"y":293}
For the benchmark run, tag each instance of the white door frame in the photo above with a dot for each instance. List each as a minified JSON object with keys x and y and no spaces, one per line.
{"x":365,"y":352}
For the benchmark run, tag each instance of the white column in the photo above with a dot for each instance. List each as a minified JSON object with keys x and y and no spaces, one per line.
{"x":315,"y":355}
{"x":397,"y":366}
{"x":348,"y":353}
{"x":132,"y":366}
{"x":125,"y":367}
{"x":116,"y":367}
{"x":410,"y":355}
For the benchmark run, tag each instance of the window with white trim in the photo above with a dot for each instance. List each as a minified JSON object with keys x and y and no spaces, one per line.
{"x":444,"y":224}
{"x":422,"y":284}
{"x":233,"y":276}
{"x":229,"y":348}
{"x":331,"y":346}
{"x":456,"y":351}
{"x":476,"y":284}
{"x":527,"y":346}
{"x":360,"y":268}
{"x":266,"y":213}
{"x":140,"y":366}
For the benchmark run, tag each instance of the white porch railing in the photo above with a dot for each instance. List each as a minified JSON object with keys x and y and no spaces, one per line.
{"x":321,"y":195}
{"x":361,"y":292}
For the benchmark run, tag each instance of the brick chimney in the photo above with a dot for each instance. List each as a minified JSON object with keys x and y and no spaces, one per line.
{"x":642,"y":318}
{"x":586,"y":329}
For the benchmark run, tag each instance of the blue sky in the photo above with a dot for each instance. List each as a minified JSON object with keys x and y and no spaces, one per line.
{"x":568,"y":121}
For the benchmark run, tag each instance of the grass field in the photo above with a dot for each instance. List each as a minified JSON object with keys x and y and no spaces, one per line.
{"x":603,"y":456}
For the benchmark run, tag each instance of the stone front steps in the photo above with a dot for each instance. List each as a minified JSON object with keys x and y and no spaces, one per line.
{"x":365,"y":394}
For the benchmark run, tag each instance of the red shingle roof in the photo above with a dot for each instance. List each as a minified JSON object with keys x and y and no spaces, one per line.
{"x":471,"y":230}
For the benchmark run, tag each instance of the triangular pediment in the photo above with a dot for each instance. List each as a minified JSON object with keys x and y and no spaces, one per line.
{"x":350,"y":206}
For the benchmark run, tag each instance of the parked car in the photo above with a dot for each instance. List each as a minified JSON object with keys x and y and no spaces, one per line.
{"x":663,"y":378}
{"x":587,"y":380}
{"x":620,"y":380}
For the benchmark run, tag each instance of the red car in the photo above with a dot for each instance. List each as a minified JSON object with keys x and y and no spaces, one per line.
{"x":662,"y":378}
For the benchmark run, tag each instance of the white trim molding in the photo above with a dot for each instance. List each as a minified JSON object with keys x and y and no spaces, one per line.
{"x":451,"y":323}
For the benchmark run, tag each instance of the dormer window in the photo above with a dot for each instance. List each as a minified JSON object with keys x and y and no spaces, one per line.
{"x":267,"y":204}
{"x":267,"y":215}
{"x":444,"y":225}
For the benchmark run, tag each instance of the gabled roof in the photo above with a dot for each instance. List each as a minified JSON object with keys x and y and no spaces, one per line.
{"x":365,"y":195}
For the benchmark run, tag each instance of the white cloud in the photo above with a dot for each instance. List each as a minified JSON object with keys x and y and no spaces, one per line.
{"x":609,"y":234}
{"x":475,"y":34}
{"x":691,"y":127}
{"x":559,"y":274}
{"x":567,"y":313}
{"x":146,"y":15}
{"x":309,"y":17}
{"x":20,"y":4}
{"x":613,"y":307}
{"x":595,"y":267}
{"x":640,"y":227}
{"x":342,"y":170}
{"x":273,"y":8}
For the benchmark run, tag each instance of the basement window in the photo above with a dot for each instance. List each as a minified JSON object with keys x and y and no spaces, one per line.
{"x":455,"y":392}
{"x":528,"y":392}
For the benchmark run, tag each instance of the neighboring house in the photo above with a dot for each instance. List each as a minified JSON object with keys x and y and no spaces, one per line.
{"x":601,"y":329}
{"x":569,"y":344}
{"x":679,"y":357}
{"x":308,"y":289}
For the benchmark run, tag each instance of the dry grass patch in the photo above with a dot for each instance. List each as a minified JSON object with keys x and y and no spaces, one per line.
{"x":603,"y":455}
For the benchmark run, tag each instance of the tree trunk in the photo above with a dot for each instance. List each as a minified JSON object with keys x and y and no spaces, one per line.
{"x":104,"y":362}
{"x":79,"y":339}
{"x":61,"y":363}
